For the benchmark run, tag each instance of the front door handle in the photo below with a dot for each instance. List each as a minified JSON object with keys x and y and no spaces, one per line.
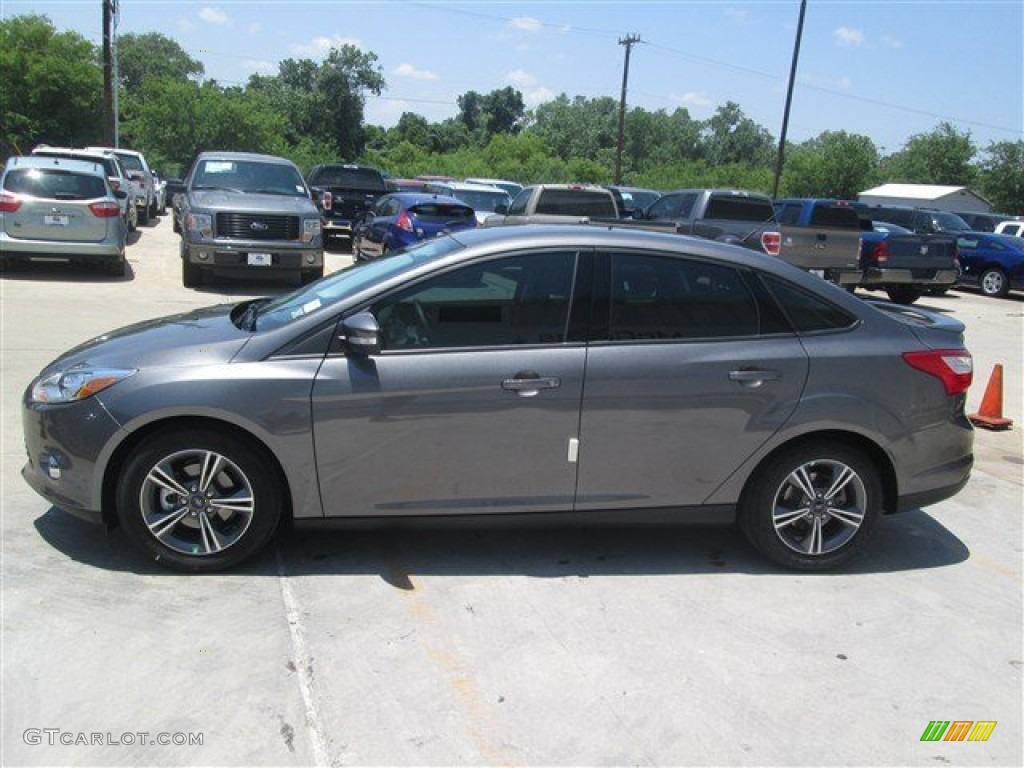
{"x":528,"y":383}
{"x":754,"y":377}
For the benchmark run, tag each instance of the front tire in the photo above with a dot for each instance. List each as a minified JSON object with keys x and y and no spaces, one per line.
{"x":198,"y":500}
{"x":993,"y":283}
{"x":812,"y":507}
{"x":144,"y":215}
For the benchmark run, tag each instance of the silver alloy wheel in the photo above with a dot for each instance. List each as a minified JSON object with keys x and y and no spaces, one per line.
{"x":992,"y":282}
{"x":197,"y":502}
{"x":819,"y":507}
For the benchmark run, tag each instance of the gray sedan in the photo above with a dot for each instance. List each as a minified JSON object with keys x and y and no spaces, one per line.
{"x":523,"y":375}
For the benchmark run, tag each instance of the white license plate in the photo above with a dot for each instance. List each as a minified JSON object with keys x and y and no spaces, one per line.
{"x":55,"y":221}
{"x":260,"y":259}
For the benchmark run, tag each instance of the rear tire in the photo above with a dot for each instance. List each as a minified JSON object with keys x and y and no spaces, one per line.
{"x":199,"y":500}
{"x":116,"y":268}
{"x":812,"y":507}
{"x":903,"y":294}
{"x":993,"y":283}
{"x":144,"y":215}
{"x":153,"y":210}
{"x":174,"y":223}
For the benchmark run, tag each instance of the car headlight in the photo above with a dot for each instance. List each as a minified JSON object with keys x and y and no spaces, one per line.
{"x":76,"y":384}
{"x":201,"y":223}
{"x":310,"y":229}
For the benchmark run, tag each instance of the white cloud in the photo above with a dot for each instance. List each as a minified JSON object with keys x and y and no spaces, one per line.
{"x":408,"y":70}
{"x":533,"y":94}
{"x":691,"y":99}
{"x":891,"y":42}
{"x":847,"y":37}
{"x":253,"y":28}
{"x":321,"y":45}
{"x":526,"y":24}
{"x":521,"y":79}
{"x":260,"y":67}
{"x":736,"y":14}
{"x":214,"y":16}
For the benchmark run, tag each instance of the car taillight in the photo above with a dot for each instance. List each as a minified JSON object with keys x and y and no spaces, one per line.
{"x":880,"y":252}
{"x":9,"y":203}
{"x":771,"y":242}
{"x":106,"y":209}
{"x":328,"y":200}
{"x":954,"y":367}
{"x":404,"y":222}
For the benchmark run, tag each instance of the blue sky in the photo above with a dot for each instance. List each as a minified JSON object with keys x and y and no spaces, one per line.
{"x":885,"y":69}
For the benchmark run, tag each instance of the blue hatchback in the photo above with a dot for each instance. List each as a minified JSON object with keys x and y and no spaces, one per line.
{"x":404,"y":218}
{"x":994,"y":263}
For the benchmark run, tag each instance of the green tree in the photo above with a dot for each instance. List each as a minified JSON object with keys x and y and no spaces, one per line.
{"x":732,"y":137}
{"x":580,"y":128}
{"x":485,"y":115}
{"x":833,"y":164}
{"x":942,"y":156}
{"x":51,"y":86}
{"x":1002,"y":176}
{"x":152,"y":55}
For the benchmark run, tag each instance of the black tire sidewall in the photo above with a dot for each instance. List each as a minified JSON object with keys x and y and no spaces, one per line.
{"x":258,"y":470}
{"x":755,"y":511}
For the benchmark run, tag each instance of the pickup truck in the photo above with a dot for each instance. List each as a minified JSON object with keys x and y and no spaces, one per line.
{"x":726,"y":215}
{"x":555,"y":204}
{"x":344,"y":193}
{"x":247,"y":215}
{"x":906,"y":265}
{"x":821,"y":236}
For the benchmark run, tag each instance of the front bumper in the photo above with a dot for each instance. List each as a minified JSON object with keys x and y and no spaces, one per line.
{"x":255,"y":257}
{"x":921,"y":277}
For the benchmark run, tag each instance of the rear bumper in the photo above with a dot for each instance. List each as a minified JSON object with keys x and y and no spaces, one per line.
{"x":107,"y":249}
{"x":336,"y":227}
{"x":922,"y":277}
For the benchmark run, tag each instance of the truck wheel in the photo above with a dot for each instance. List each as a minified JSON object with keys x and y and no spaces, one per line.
{"x":144,"y":215}
{"x":191,"y":274}
{"x":993,"y":282}
{"x":174,"y":223}
{"x":903,"y":294}
{"x":153,"y":210}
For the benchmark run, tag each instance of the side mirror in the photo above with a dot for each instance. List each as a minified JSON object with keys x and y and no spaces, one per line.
{"x":501,"y":208}
{"x":120,"y":194}
{"x":361,"y":334}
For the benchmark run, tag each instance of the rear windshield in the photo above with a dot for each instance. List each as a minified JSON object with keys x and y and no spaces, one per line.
{"x":249,"y":176}
{"x":739,"y":209}
{"x":576,"y":202}
{"x":479,"y":200}
{"x":837,"y":216}
{"x":440,"y":212}
{"x":54,"y":184}
{"x":131,"y":162}
{"x":351,"y":178}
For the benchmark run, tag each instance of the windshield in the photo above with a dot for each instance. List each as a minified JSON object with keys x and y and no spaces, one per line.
{"x":348,"y":282}
{"x":250,"y":176}
{"x":950,"y":222}
{"x":131,"y":162}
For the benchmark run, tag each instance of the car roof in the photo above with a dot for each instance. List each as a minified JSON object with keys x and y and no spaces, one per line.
{"x":466,"y":186}
{"x":121,"y":150}
{"x":251,"y":156}
{"x":44,"y":150}
{"x":89,"y":167}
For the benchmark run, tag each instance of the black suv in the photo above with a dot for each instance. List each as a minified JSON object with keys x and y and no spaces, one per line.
{"x":923,"y":221}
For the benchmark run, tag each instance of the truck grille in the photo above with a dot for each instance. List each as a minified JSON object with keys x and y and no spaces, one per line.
{"x":254,"y":226}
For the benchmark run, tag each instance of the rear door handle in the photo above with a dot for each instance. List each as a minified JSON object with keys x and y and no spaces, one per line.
{"x":754,"y":377}
{"x":528,"y":383}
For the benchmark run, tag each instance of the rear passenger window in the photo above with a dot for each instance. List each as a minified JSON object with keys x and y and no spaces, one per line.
{"x":836,"y":216}
{"x":808,"y":313}
{"x":659,"y":297}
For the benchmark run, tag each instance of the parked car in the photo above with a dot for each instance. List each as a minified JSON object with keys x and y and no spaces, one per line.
{"x":823,"y":236}
{"x":523,"y":374}
{"x":1012,"y":227}
{"x":141,"y":179}
{"x":906,"y":265}
{"x":54,"y":208}
{"x":160,"y":188}
{"x":482,"y":198}
{"x":983,"y":222}
{"x":344,"y":193}
{"x":116,"y":176}
{"x":248,"y":215}
{"x":994,"y":263}
{"x":512,"y":187}
{"x":405,"y":218}
{"x":923,"y":221}
{"x":556,"y":204}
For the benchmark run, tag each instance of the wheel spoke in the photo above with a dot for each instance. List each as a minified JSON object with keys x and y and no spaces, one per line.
{"x":840,"y":482}
{"x":166,"y":523}
{"x":815,"y":542}
{"x":211,"y":466}
{"x":210,"y":540}
{"x":242,"y":504}
{"x":158,"y":476}
{"x":789,"y":516}
{"x":802,"y":480}
{"x":850,"y":517}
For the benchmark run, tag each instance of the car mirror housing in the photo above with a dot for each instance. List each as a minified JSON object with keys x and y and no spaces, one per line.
{"x":361,"y":334}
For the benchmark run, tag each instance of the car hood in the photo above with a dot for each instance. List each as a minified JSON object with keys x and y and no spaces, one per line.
{"x":237,"y":202}
{"x":200,"y":337}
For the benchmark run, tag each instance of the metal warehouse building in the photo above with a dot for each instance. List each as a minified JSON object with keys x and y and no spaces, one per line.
{"x":927,"y":196}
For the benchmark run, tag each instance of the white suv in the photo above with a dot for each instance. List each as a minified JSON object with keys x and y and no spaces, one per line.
{"x":141,"y":178}
{"x":1010,"y":228}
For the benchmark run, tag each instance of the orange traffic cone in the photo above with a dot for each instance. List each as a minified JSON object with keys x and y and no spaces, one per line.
{"x":990,"y":415}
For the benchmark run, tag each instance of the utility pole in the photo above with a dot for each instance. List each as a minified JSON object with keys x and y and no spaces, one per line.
{"x":627,"y":41}
{"x":108,"y":76}
{"x":780,"y":158}
{"x":116,"y":82}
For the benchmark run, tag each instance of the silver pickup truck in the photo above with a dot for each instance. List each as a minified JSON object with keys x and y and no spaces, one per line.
{"x":556,"y":204}
{"x":821,"y":236}
{"x":248,"y":215}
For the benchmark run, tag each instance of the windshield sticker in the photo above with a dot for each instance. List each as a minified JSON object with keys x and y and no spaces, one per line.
{"x":311,"y":305}
{"x":300,"y":189}
{"x":219,"y":166}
